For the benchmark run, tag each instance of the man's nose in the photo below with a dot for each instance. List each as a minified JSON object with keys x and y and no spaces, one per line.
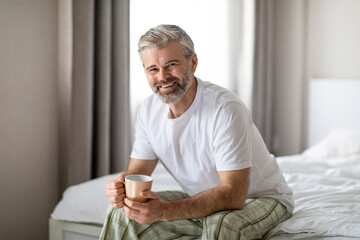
{"x":163,"y":74}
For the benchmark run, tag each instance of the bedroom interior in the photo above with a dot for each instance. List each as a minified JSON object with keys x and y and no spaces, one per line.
{"x":314,"y":44}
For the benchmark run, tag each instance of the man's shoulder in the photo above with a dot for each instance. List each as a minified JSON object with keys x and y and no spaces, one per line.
{"x":217,"y":92}
{"x":150,"y":106}
{"x":222,"y":102}
{"x":218,"y":95}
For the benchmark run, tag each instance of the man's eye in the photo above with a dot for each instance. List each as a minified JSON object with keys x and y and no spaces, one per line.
{"x":152,"y":69}
{"x":171,"y":65}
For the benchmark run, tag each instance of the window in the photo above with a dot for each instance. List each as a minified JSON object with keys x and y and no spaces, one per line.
{"x":213,"y":25}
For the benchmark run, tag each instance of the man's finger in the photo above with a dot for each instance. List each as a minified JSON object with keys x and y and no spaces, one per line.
{"x":121,"y":177}
{"x":117,"y":198}
{"x":132,"y":204}
{"x":114,"y":184}
{"x":118,"y":205}
{"x":149,"y":194}
{"x":131,"y":213}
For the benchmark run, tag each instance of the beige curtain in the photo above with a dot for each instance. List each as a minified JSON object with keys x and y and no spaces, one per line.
{"x":250,"y":41}
{"x":93,"y":89}
{"x":262,"y":89}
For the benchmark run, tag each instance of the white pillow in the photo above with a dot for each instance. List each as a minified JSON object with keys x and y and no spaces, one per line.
{"x":339,"y":143}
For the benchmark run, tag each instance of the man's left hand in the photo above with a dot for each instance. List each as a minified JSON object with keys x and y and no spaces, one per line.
{"x":144,"y":213}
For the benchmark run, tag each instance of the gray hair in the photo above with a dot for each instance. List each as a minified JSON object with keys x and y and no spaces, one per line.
{"x":162,"y":35}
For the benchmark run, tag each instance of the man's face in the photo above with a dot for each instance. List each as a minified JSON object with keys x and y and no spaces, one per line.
{"x":169,"y":72}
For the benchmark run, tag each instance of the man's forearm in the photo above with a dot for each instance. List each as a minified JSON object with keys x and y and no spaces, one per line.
{"x":230,"y":194}
{"x":214,"y":200}
{"x":145,"y":167}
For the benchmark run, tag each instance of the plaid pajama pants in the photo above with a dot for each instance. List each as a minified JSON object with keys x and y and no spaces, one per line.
{"x":258,"y":217}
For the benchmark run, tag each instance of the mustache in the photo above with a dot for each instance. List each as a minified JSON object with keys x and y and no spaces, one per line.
{"x":167,"y":81}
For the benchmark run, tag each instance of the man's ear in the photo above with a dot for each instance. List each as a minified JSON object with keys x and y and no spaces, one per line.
{"x":194,"y":62}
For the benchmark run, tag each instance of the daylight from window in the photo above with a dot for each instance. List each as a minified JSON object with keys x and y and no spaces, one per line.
{"x":208,"y":24}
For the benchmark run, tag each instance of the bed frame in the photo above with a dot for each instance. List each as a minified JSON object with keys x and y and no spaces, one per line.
{"x":63,"y":230}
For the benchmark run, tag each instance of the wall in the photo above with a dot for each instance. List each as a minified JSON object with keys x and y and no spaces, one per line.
{"x":334,"y":37}
{"x":333,"y":41}
{"x":28,"y":118}
{"x":312,"y":39}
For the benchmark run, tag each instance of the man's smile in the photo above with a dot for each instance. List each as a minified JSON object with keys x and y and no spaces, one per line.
{"x":168,"y":85}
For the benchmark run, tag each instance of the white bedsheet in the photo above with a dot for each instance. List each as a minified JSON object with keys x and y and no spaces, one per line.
{"x":326,"y":193}
{"x":86,"y":202}
{"x":327,"y":197}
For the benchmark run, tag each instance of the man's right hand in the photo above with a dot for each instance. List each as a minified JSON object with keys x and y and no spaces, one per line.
{"x":115,"y":191}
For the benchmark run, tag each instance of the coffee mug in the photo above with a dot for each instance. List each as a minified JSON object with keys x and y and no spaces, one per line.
{"x":135,"y":184}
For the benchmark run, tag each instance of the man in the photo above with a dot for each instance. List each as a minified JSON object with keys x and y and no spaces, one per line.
{"x":205,"y":137}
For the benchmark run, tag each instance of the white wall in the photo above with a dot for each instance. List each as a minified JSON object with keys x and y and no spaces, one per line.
{"x":28,"y":117}
{"x":334,"y":38}
{"x":313,"y":39}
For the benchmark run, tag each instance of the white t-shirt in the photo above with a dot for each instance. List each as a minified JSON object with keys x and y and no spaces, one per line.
{"x":216,"y":133}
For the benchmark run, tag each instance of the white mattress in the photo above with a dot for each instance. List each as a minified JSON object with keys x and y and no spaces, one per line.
{"x":325,"y":180}
{"x":326,"y":183}
{"x":87,"y":203}
{"x":327,"y":196}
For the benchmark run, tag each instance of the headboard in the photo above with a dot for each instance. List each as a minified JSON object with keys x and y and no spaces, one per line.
{"x":333,"y":104}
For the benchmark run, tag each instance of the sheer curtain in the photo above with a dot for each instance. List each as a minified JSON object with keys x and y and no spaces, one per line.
{"x":93,"y":89}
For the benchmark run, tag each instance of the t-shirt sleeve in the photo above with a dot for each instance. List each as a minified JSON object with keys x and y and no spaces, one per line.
{"x":232,"y":137}
{"x":142,"y":148}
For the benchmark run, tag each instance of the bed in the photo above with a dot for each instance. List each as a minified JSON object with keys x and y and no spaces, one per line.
{"x":325,"y":178}
{"x":83,"y":208}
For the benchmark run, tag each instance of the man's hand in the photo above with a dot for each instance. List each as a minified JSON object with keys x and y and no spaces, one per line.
{"x":115,"y":191}
{"x":145,"y":213}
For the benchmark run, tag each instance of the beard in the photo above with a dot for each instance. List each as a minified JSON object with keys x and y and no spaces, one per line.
{"x":183,"y":86}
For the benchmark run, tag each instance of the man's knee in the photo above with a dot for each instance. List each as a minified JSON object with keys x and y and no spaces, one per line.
{"x":253,"y":222}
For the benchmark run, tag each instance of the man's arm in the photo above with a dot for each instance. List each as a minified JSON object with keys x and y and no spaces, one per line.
{"x":231,"y":194}
{"x":144,"y":167}
{"x":115,"y":190}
